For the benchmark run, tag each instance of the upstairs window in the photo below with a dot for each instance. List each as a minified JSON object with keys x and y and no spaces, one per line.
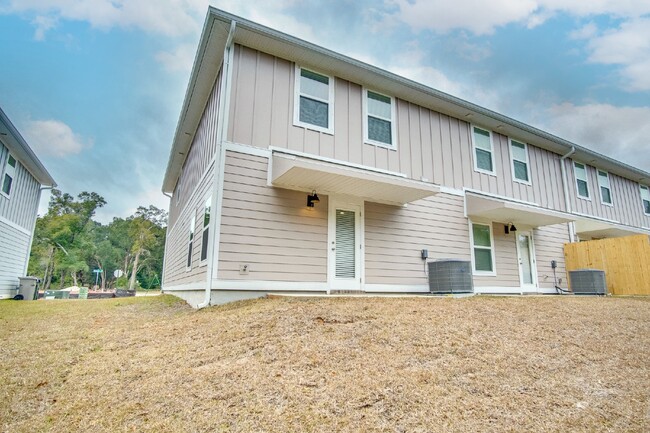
{"x":190,"y":243}
{"x":380,"y":115}
{"x":645,"y":199}
{"x":9,"y":174}
{"x":605,"y":191}
{"x":314,"y":101}
{"x":483,"y":154}
{"x":206,"y":229}
{"x":519,"y":152}
{"x":482,"y":249}
{"x":582,"y":185}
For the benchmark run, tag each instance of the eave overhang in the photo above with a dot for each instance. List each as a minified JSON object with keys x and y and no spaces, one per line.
{"x":306,"y":174}
{"x":11,"y":138}
{"x":595,"y":228}
{"x":210,"y":56}
{"x":505,"y":211}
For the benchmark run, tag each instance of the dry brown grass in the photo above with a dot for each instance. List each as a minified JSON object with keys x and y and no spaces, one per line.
{"x":561,"y":364}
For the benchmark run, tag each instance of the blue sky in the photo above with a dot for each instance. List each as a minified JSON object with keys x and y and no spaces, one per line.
{"x":96,"y":86}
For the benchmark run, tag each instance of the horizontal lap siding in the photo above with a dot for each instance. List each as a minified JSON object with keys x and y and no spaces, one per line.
{"x":199,"y":157}
{"x":395,"y":235}
{"x":549,"y":245}
{"x":176,"y":272}
{"x":22,"y":206}
{"x":627,"y":208}
{"x":14,"y":246}
{"x":269,"y":229}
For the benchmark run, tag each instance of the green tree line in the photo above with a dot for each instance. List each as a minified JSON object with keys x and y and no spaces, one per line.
{"x":68,"y":245}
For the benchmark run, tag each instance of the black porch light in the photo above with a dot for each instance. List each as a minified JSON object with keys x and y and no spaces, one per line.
{"x":312,"y":198}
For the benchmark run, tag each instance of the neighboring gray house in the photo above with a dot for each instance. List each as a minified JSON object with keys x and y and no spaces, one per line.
{"x":21,"y":182}
{"x":270,"y":120}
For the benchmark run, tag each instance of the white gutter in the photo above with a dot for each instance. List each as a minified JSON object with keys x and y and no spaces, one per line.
{"x":162,"y":276}
{"x":217,"y":182}
{"x":567,"y":202}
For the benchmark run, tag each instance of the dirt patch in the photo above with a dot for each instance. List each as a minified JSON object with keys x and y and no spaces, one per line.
{"x":329,"y":364}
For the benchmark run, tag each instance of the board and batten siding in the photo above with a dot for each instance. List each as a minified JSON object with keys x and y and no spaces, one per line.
{"x":14,"y":246}
{"x":430,"y":145}
{"x":626,"y":198}
{"x":199,"y":157}
{"x":21,"y":207}
{"x":267,"y":228}
{"x":178,"y":235}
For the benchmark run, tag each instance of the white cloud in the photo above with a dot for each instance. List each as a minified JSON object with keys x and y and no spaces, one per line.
{"x":587,"y":31}
{"x":481,"y":17}
{"x":180,"y":59}
{"x":619,"y":132}
{"x":168,"y":17}
{"x":629,"y":47}
{"x":54,"y":138}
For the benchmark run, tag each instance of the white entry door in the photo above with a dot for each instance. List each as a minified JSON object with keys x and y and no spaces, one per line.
{"x":527,"y":268}
{"x":344,"y":244}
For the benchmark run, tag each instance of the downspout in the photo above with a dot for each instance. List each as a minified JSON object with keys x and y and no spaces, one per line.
{"x":217,"y":181}
{"x":162,"y":276}
{"x":567,"y":202}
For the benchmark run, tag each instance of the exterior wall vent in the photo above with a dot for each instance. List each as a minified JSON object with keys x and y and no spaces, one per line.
{"x":450,"y":276}
{"x":588,"y":282}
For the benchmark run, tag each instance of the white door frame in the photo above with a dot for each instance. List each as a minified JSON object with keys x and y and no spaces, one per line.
{"x":354,"y":204}
{"x":533,"y":287}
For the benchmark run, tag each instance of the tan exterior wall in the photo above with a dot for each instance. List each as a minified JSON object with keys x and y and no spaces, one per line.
{"x":269,"y":229}
{"x":176,"y":271}
{"x":430,"y":145}
{"x":626,"y":197}
{"x":505,"y":258}
{"x":395,"y":235}
{"x":549,"y":245}
{"x":199,"y":157}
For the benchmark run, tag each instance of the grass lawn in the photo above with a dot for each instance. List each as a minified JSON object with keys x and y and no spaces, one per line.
{"x":508,"y":364}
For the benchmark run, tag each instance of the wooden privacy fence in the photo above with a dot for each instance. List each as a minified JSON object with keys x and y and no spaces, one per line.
{"x":626,"y":262}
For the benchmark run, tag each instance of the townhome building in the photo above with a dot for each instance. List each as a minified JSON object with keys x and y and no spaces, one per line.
{"x":297,"y":169}
{"x":23,"y":177}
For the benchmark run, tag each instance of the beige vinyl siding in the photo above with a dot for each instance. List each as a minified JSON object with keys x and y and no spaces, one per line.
{"x":21,"y":207}
{"x":429,"y":145}
{"x":199,"y":157}
{"x":626,"y":198}
{"x":395,"y":235}
{"x":176,"y":272}
{"x":269,"y":229}
{"x":549,"y":245}
{"x":505,"y":258}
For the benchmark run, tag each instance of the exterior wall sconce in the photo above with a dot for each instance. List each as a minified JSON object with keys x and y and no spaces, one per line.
{"x":312,"y":198}
{"x":510,"y":227}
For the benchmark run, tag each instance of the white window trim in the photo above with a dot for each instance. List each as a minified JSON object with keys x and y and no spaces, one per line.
{"x":476,"y":167}
{"x":204,"y":228}
{"x":609,"y":187}
{"x":393,"y":121}
{"x":647,"y":188}
{"x":492,"y":273}
{"x":296,"y":103}
{"x":6,"y":170}
{"x":513,"y":159}
{"x":575,"y":176}
{"x":191,"y":242}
